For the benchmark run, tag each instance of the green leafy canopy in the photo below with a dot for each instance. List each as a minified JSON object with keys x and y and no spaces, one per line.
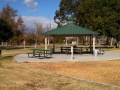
{"x":5,"y":30}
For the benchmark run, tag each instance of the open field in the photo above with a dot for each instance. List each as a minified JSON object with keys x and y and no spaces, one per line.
{"x":19,"y":76}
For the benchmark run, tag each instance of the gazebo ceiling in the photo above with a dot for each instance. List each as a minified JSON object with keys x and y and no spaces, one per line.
{"x":70,"y":29}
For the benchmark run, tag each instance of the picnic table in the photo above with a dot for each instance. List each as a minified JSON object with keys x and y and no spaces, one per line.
{"x":68,"y":49}
{"x":38,"y":52}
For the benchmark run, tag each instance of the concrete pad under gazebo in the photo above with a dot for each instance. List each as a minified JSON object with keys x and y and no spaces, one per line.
{"x":109,"y":55}
{"x":70,"y":30}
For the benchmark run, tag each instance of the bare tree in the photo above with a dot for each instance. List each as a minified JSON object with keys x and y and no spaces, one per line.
{"x":21,"y":27}
{"x":31,"y":36}
{"x":39,"y":31}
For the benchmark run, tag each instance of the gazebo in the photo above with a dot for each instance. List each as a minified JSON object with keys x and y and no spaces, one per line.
{"x":70,"y":30}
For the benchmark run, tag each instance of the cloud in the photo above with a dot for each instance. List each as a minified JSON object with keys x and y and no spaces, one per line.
{"x":11,"y":0}
{"x":31,"y":3}
{"x":35,"y":10}
{"x":31,"y":20}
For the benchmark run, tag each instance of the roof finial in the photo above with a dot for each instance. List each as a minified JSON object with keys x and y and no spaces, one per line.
{"x":70,"y":20}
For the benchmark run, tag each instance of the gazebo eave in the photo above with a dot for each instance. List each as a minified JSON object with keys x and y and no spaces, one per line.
{"x":68,"y":35}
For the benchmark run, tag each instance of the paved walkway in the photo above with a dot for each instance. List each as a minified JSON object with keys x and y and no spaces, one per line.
{"x":63,"y":57}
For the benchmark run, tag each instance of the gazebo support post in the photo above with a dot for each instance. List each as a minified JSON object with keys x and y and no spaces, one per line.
{"x":90,"y":44}
{"x":77,"y":40}
{"x":48,"y":41}
{"x":66,"y":40}
{"x":93,"y":42}
{"x":45,"y":43}
{"x":53,"y":44}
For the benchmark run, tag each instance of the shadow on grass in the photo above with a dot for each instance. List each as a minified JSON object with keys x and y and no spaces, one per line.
{"x":6,"y":58}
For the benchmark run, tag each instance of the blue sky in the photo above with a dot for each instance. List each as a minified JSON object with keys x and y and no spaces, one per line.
{"x":40,"y":11}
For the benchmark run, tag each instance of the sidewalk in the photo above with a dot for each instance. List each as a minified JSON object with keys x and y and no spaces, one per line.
{"x":64,"y":58}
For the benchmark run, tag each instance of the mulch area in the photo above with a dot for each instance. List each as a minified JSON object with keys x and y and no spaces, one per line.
{"x":100,"y":71}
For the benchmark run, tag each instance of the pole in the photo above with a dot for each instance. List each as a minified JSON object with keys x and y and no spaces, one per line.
{"x":93,"y":43}
{"x":45,"y":43}
{"x":71,"y":52}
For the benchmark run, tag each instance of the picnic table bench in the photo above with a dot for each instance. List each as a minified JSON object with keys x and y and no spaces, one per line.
{"x":80,"y":50}
{"x":40,"y":53}
{"x":68,"y":50}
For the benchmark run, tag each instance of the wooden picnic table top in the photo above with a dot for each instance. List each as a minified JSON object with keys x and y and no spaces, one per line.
{"x":74,"y":47}
{"x":39,"y":49}
{"x":88,"y":46}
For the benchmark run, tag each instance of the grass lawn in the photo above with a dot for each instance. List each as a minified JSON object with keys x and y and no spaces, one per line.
{"x":21,"y":76}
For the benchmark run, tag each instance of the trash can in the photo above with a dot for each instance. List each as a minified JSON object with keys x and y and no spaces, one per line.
{"x":0,"y":53}
{"x":52,"y":50}
{"x":95,"y":52}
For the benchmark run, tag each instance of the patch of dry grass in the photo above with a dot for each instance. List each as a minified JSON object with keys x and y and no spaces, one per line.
{"x":14,"y":52}
{"x":101,"y":71}
{"x":14,"y":76}
{"x":116,"y":51}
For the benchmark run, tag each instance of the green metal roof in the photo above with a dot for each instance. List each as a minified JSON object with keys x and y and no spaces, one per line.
{"x":70,"y":19}
{"x":71,"y":30}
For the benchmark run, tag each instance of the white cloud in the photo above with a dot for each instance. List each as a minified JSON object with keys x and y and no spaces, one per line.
{"x":31,"y":20}
{"x":31,"y":3}
{"x":35,"y":10}
{"x":11,"y":0}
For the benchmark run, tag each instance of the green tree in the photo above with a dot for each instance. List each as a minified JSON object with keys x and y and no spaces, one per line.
{"x":100,"y":16}
{"x":9,"y":14}
{"x":67,"y":8}
{"x":6,"y":32}
{"x":97,"y":15}
{"x":59,"y":39}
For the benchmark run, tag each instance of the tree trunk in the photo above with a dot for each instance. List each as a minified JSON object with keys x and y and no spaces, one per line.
{"x":107,"y":41}
{"x":35,"y":43}
{"x":111,"y":41}
{"x":6,"y":44}
{"x":1,"y":43}
{"x":77,"y":41}
{"x":86,"y":40}
{"x":83,"y":40}
{"x":24,"y":44}
{"x":99,"y":41}
{"x":66,"y":40}
{"x":117,"y":43}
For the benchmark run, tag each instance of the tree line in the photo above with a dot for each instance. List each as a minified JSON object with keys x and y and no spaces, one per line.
{"x":99,"y":15}
{"x":14,"y":31}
